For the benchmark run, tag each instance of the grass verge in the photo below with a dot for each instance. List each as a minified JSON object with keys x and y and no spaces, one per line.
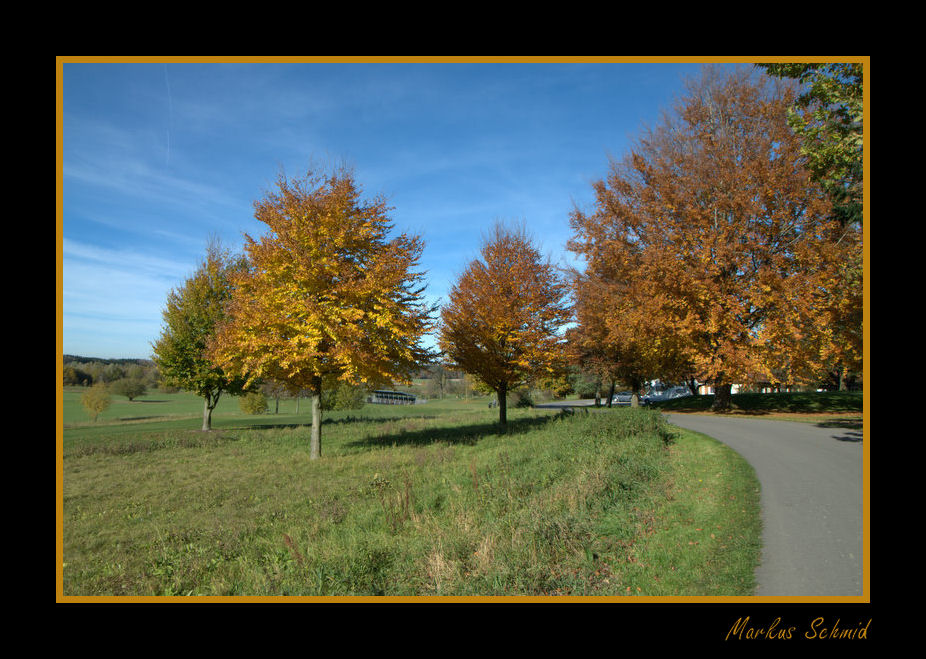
{"x":707,"y":540}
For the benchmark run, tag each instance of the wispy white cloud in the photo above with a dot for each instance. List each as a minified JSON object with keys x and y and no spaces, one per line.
{"x":115,"y":297}
{"x":136,"y":179}
{"x":124,"y":261}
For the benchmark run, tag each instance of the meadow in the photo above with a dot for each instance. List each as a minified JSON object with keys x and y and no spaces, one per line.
{"x":406,"y":501}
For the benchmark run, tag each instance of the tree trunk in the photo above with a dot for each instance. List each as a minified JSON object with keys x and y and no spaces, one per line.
{"x":315,"y":441}
{"x":503,"y":404}
{"x":611,"y":393}
{"x":208,"y":406}
{"x":722,"y":398}
{"x":636,"y":385}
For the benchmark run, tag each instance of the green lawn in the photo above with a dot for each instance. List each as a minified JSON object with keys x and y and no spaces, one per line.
{"x":421,"y":500}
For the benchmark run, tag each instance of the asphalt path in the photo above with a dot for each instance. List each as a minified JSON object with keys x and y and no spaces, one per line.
{"x":811,"y":500}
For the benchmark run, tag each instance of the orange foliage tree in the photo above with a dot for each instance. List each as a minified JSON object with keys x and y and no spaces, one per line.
{"x":711,"y":241}
{"x":503,"y":317}
{"x":604,"y":343}
{"x":326,"y":293}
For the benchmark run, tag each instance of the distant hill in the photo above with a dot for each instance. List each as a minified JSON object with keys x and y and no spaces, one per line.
{"x":90,"y":360}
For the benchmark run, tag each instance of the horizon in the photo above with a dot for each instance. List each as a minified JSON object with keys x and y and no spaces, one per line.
{"x":159,"y":158}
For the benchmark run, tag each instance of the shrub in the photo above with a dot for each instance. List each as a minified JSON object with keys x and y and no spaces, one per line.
{"x":96,"y":400}
{"x":520,"y":398}
{"x":343,"y":396}
{"x":131,"y":388}
{"x":253,"y":403}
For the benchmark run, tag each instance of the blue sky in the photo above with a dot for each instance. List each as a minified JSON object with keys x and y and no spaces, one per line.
{"x":159,"y":157}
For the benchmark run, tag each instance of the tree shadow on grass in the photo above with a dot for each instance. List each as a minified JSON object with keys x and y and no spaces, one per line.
{"x":467,"y":434}
{"x":380,"y":420}
{"x":271,"y":425}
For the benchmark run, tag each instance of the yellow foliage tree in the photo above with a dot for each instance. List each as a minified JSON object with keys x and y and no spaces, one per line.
{"x":326,"y":293}
{"x":502,"y":320}
{"x":96,"y":400}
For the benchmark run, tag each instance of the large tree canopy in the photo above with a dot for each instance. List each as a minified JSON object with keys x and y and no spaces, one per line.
{"x":711,"y":237}
{"x":326,"y":293}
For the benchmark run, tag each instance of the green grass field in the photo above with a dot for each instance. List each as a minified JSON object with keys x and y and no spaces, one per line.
{"x":420,"y":500}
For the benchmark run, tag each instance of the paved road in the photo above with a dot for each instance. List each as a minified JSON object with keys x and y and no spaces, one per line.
{"x":812,"y":501}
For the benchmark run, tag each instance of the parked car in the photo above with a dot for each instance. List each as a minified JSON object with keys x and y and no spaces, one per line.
{"x":665,"y":394}
{"x":622,"y":398}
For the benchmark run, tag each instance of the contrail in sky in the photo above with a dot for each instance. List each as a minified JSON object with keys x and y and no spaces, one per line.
{"x":169,"y":112}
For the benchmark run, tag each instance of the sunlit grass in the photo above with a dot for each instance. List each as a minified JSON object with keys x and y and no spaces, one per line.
{"x":407,"y":501}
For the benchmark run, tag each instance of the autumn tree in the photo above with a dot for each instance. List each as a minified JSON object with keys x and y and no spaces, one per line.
{"x":596,"y":343}
{"x":96,"y":400}
{"x":192,"y":316}
{"x":503,"y":317}
{"x":615,"y":337}
{"x":327,"y":293}
{"x":828,"y":117}
{"x":587,"y":348}
{"x":712,"y":237}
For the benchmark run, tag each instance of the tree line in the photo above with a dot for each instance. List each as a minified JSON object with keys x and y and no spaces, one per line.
{"x":724,"y":248}
{"x":124,"y":377}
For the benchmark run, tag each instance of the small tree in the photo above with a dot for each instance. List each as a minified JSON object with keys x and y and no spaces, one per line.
{"x":191,"y":318}
{"x":96,"y":400}
{"x":504,"y":313}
